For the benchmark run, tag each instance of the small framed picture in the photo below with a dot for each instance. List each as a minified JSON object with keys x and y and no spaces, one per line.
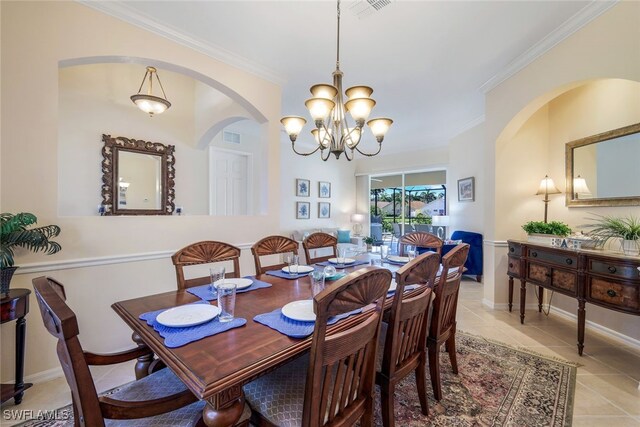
{"x":302,"y":210}
{"x":324,"y":189}
{"x":466,"y":189}
{"x":324,"y":210}
{"x":302,"y":187}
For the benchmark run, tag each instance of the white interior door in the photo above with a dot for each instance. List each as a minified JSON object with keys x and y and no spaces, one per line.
{"x":229,"y":183}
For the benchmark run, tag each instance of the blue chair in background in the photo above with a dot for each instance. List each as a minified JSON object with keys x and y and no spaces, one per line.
{"x":474,"y":259}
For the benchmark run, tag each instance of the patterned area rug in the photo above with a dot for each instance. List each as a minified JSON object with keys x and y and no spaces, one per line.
{"x":498,"y":385}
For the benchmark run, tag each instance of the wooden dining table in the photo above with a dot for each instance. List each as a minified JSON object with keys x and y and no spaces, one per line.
{"x":215,"y":368}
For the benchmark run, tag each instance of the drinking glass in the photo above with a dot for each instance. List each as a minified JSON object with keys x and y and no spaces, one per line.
{"x":293,"y":261}
{"x":317,"y":281}
{"x":384,"y":251}
{"x":410,"y":250}
{"x":226,"y":300}
{"x":217,"y":275}
{"x":342,"y":254}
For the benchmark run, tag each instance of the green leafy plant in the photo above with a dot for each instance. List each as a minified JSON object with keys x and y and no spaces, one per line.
{"x":14,"y":232}
{"x":368,"y":240}
{"x":609,"y":227}
{"x":556,"y":228}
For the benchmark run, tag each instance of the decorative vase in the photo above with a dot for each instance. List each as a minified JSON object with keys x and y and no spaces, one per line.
{"x":545,"y":239}
{"x":631,"y":247}
{"x":368,"y":248}
{"x":6,"y":274}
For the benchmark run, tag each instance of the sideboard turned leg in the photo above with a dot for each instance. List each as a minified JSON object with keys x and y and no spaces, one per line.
{"x":510,"y":293}
{"x":540,"y":298}
{"x":581,"y":321}
{"x":523,"y":299}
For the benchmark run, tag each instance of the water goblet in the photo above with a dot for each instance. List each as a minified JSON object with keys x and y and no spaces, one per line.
{"x":410,"y":250}
{"x":293,"y":261}
{"x":317,"y":281}
{"x":226,"y":300}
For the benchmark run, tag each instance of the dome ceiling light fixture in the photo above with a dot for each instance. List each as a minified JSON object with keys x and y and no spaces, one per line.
{"x":148,"y":102}
{"x":329,"y":113}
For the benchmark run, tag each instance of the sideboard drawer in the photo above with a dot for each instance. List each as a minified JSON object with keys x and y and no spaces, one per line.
{"x":515,"y":249}
{"x":614,"y":269}
{"x":626,"y":296}
{"x":568,"y":260}
{"x":565,"y":280}
{"x":538,"y":273}
{"x":513,"y":268}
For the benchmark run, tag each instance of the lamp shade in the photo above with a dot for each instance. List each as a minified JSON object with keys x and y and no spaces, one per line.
{"x":440,"y":220}
{"x":319,"y":108}
{"x":547,"y":186}
{"x":293,"y":124}
{"x":580,"y":186}
{"x":357,"y":218}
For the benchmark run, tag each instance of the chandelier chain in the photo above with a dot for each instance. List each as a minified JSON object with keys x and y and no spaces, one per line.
{"x":338,"y":40}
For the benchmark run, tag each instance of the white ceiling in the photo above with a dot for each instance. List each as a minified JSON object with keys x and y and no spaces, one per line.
{"x":428,"y":61}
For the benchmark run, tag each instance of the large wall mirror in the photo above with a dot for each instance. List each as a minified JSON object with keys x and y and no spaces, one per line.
{"x":602,"y":170}
{"x":137,"y":177}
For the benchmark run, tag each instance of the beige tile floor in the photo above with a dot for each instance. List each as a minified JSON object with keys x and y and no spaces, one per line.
{"x":607,"y":391}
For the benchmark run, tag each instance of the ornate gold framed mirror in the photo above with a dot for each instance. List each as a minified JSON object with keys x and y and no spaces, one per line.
{"x":138,"y":177}
{"x":603,"y":169}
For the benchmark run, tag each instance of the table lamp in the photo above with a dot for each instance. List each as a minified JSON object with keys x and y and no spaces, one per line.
{"x":357,"y":220}
{"x":547,"y":187}
{"x":441,"y":221}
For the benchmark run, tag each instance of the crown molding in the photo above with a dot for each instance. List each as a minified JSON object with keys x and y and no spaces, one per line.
{"x":570,"y":26}
{"x":128,"y":14}
{"x":469,"y":125}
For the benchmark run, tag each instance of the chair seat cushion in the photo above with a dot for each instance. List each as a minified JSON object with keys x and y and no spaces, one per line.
{"x":160,"y":384}
{"x":279,"y":395}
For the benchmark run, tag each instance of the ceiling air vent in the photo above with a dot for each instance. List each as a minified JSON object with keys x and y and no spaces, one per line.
{"x":231,"y":137}
{"x":364,"y":8}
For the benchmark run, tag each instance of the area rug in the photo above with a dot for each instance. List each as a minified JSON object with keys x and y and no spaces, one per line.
{"x":497,"y":385}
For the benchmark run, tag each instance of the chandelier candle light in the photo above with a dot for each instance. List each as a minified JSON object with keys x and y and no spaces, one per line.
{"x":329,"y":112}
{"x":148,"y":102}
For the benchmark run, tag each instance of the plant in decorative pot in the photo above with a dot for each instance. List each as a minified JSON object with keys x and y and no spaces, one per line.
{"x":543,"y":232}
{"x":368,"y":241}
{"x":14,"y":232}
{"x":625,"y":229}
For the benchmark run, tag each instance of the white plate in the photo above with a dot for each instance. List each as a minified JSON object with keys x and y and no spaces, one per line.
{"x":393,"y":286}
{"x":346,"y":261}
{"x":395,"y":258}
{"x":300,"y":310}
{"x":301,"y":269}
{"x":241,"y":283}
{"x":188,"y":315}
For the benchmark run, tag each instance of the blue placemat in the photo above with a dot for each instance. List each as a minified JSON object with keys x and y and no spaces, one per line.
{"x":407,"y":288}
{"x":203,"y":292}
{"x":294,"y":328}
{"x":177,"y":337}
{"x":353,"y":264}
{"x":280,"y":273}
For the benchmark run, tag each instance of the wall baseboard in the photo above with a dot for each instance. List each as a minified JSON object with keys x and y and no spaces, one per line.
{"x":609,"y":333}
{"x":44,"y":376}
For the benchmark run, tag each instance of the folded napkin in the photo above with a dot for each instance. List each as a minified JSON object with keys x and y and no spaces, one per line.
{"x":353,"y":264}
{"x":335,"y":276}
{"x":204,"y":292}
{"x":294,"y":328}
{"x":407,"y":288}
{"x":280,"y":273}
{"x":177,"y":337}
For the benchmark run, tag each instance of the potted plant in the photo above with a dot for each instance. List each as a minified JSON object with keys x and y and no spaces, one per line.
{"x":368,"y":241}
{"x":609,"y":227}
{"x":14,"y":233}
{"x":543,"y":232}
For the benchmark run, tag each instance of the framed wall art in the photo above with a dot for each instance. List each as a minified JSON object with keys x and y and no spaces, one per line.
{"x":466,"y":189}
{"x":302,"y":187}
{"x":324,"y":210}
{"x":302,"y":210}
{"x":324,"y":189}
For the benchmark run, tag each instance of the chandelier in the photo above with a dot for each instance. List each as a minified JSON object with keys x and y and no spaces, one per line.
{"x":333,"y":133}
{"x":148,"y":102}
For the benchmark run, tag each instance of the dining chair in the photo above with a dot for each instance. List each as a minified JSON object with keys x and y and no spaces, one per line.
{"x":334,"y":384}
{"x":320,"y":241}
{"x":396,"y":232}
{"x":272,"y":245}
{"x":205,"y":252}
{"x":443,"y":319}
{"x":420,"y":239}
{"x":157,"y":399}
{"x":402,"y":340}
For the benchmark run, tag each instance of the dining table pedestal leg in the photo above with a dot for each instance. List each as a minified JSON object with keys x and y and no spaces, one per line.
{"x":224,"y":409}
{"x":142,"y":365}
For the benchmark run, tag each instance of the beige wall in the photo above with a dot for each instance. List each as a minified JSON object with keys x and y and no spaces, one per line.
{"x":608,"y":47}
{"x":35,"y":37}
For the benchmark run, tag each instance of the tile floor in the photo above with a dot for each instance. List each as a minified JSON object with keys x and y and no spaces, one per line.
{"x":607,"y":390}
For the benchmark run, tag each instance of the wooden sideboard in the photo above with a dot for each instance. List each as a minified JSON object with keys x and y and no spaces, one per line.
{"x":606,"y":279}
